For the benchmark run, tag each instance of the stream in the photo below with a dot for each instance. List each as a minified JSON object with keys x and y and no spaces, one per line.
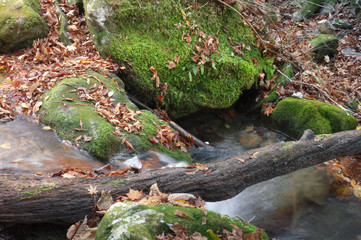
{"x":294,"y":206}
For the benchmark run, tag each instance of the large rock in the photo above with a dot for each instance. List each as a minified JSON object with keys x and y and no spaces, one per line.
{"x":324,"y":44}
{"x":128,"y":220}
{"x":309,"y":7}
{"x":63,"y":110}
{"x":294,"y":116}
{"x":20,"y":24}
{"x":142,"y":34}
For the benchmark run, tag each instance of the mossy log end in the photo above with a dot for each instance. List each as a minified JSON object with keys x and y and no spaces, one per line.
{"x":34,"y":199}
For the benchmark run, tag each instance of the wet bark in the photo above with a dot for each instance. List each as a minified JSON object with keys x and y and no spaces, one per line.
{"x":57,"y":200}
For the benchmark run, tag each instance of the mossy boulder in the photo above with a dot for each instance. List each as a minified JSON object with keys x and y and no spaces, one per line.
{"x":20,"y":24}
{"x":128,"y":220}
{"x":63,"y":111}
{"x":294,"y":116}
{"x":308,"y":8}
{"x":324,"y":44}
{"x":142,"y":34}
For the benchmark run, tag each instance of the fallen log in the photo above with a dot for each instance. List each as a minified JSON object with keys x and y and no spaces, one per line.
{"x":33,"y":199}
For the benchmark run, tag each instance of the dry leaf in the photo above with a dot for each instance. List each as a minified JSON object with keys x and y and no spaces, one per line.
{"x":176,"y":59}
{"x":105,"y":201}
{"x":134,"y":195}
{"x":181,"y":214}
{"x":171,"y":65}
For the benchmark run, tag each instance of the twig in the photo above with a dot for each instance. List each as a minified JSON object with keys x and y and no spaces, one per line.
{"x":319,"y":89}
{"x":184,"y":133}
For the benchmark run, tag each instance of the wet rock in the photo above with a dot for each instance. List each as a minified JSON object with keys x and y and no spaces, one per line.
{"x":142,"y":34}
{"x":339,"y":23}
{"x":20,"y":24}
{"x":324,"y":45}
{"x":128,"y":220}
{"x":63,"y":110}
{"x":294,"y":116}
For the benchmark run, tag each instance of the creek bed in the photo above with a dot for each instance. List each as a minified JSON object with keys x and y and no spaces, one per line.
{"x":294,"y":206}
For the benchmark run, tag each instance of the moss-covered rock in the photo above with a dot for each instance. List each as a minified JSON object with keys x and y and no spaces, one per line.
{"x":294,"y":116}
{"x":324,"y":44}
{"x":20,"y":24}
{"x":63,"y":31}
{"x":63,"y":110}
{"x":142,"y":34}
{"x":287,"y":70}
{"x":128,"y":220}
{"x":309,"y":7}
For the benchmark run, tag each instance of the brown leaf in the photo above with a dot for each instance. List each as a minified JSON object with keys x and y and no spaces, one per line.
{"x":201,"y":166}
{"x":261,"y":76}
{"x":37,"y":106}
{"x":240,"y":159}
{"x":256,"y":235}
{"x":105,"y":201}
{"x":134,"y":195}
{"x":129,"y":145}
{"x":176,"y":59}
{"x":87,"y":139}
{"x":72,"y":230}
{"x":171,"y":65}
{"x":160,"y":98}
{"x":255,"y":62}
{"x":181,"y":214}
{"x":197,"y":236}
{"x":80,"y":129}
{"x":79,"y":138}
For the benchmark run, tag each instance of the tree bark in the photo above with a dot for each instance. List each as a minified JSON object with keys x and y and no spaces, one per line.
{"x":33,"y":199}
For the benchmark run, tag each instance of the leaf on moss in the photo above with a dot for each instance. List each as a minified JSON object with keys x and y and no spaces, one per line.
{"x":181,"y":214}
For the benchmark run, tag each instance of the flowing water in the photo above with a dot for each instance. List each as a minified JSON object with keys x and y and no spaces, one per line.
{"x":27,"y":147}
{"x":295,"y":206}
{"x":290,"y":207}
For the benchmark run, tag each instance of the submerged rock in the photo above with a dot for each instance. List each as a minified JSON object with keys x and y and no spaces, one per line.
{"x":204,"y":57}
{"x":20,"y":24}
{"x":296,"y":115}
{"x":128,"y":220}
{"x":63,"y":110}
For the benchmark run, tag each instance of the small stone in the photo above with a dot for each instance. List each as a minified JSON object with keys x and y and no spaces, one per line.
{"x":326,"y":27}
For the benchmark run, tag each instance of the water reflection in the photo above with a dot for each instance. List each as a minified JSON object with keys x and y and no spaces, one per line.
{"x":26,"y":147}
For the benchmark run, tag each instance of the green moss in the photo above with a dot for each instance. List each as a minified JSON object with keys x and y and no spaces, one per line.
{"x":132,"y":221}
{"x":324,"y":44}
{"x":287,"y":70}
{"x":20,"y":24}
{"x":43,"y":188}
{"x":147,"y":36}
{"x":309,"y":8}
{"x":296,"y":115}
{"x":64,"y":117}
{"x":144,"y":144}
